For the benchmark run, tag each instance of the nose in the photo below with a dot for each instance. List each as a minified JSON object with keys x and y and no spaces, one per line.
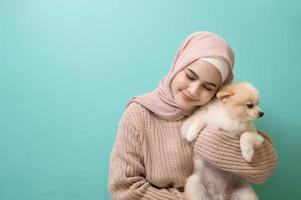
{"x":261,"y":114}
{"x":193,"y":90}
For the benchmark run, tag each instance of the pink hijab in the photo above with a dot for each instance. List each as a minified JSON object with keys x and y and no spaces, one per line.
{"x":195,"y":46}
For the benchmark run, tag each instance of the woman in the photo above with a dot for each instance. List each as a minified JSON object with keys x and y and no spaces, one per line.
{"x":150,"y":159}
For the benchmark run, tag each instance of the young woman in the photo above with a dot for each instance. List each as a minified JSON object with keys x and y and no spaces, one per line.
{"x":150,"y":159}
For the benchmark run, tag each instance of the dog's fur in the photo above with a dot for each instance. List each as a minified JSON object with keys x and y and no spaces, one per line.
{"x":233,"y":110}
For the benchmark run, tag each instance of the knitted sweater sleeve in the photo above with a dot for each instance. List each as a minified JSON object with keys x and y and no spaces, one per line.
{"x":223,"y":150}
{"x":127,"y":173}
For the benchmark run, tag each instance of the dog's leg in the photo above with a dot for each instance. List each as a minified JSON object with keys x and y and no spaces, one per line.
{"x":244,"y":193}
{"x":194,"y":189}
{"x":249,"y":141}
{"x":191,"y":128}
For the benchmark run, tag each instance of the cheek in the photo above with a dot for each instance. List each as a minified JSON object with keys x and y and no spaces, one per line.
{"x":206,"y":97}
{"x":178,"y":82}
{"x":182,"y":80}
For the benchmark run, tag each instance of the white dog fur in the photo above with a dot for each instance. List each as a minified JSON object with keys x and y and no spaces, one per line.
{"x":233,"y":110}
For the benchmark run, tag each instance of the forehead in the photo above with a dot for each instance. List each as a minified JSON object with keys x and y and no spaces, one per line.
{"x":205,"y":71}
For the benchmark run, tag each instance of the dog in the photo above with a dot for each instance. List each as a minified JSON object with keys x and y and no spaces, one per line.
{"x":233,"y":110}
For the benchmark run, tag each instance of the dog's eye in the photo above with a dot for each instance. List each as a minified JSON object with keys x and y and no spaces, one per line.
{"x":250,"y":105}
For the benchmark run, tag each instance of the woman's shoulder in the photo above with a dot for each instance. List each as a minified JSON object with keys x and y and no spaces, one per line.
{"x":135,"y":113}
{"x":137,"y":117}
{"x":135,"y":108}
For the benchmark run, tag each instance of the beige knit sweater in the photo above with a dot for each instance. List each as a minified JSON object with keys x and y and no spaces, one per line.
{"x":151,"y":160}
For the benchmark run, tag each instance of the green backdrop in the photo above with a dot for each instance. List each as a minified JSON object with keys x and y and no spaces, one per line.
{"x":68,"y":68}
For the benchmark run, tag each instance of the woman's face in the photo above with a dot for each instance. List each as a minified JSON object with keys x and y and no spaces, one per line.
{"x":195,"y":85}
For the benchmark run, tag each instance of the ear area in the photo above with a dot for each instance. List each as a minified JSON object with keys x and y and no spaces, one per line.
{"x":224,"y":94}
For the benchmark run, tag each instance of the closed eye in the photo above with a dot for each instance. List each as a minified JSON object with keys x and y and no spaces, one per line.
{"x":205,"y":85}
{"x":207,"y":88}
{"x":190,"y":77}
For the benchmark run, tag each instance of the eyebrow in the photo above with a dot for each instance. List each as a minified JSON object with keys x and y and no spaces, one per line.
{"x":206,"y":82}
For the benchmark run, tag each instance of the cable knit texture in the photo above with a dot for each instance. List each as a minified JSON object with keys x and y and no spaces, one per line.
{"x":151,"y":160}
{"x":223,"y":150}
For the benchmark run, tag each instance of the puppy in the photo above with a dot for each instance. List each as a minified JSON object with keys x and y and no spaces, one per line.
{"x":232,"y":110}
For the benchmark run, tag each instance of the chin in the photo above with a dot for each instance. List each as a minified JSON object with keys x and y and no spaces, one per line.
{"x":182,"y":104}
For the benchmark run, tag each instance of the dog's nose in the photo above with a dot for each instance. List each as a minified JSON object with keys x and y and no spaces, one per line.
{"x":261,"y":114}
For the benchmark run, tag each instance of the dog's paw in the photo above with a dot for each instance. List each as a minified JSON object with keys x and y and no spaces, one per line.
{"x":184,"y":131}
{"x":258,"y":141}
{"x":247,"y":153}
{"x":192,"y":133}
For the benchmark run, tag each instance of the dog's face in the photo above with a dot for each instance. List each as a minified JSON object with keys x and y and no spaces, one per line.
{"x":241,"y":101}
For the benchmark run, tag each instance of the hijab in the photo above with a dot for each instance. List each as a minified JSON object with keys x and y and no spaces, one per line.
{"x":199,"y":45}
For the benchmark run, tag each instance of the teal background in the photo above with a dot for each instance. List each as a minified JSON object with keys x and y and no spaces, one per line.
{"x":68,"y":68}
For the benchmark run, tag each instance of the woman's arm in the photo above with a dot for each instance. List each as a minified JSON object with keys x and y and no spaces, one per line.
{"x":223,"y":150}
{"x":127,"y":172}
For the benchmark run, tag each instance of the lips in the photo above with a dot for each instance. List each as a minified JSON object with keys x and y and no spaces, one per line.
{"x":185,"y":97}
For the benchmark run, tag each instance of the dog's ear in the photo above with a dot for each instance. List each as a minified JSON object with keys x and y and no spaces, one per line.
{"x":224,"y":94}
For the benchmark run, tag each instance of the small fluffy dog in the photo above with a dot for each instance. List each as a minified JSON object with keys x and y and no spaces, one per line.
{"x":233,"y":110}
